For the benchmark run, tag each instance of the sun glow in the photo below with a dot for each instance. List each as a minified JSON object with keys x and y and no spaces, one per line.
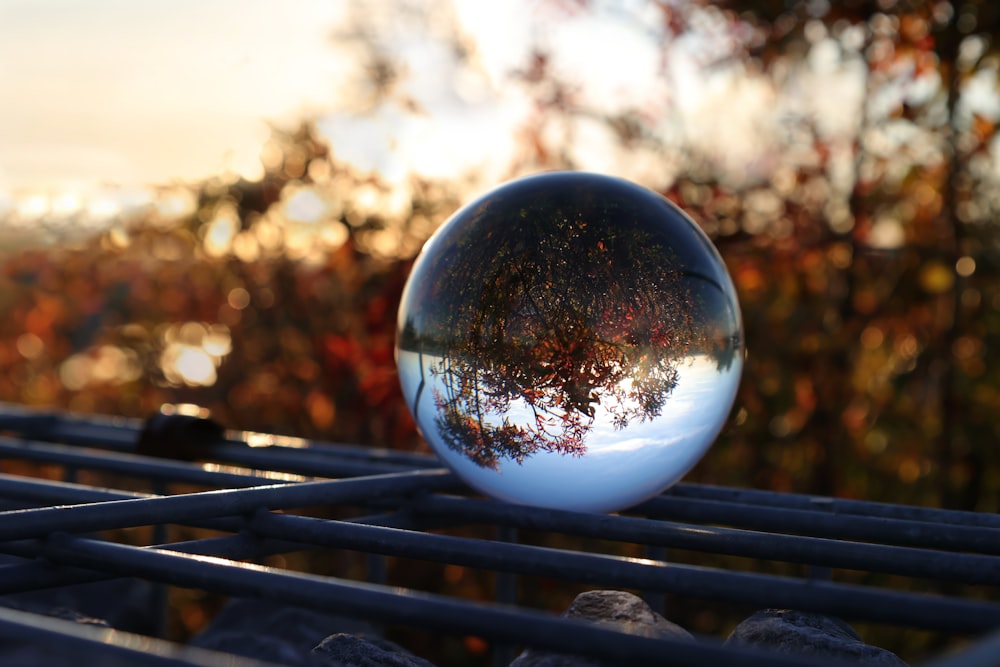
{"x":193,"y":352}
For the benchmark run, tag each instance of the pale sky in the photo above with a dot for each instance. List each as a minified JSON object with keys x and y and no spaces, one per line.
{"x":147,"y":92}
{"x":133,"y":93}
{"x":126,"y":93}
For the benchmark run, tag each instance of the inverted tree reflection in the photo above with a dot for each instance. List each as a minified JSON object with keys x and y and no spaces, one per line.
{"x":551,"y":318}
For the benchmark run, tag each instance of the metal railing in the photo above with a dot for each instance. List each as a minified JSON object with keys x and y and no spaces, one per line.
{"x":405,"y":505}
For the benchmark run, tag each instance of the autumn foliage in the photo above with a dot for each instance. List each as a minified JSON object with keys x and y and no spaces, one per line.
{"x":865,"y":264}
{"x":863,"y":246}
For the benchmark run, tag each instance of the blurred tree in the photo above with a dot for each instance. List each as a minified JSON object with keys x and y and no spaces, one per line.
{"x":856,"y":209}
{"x":860,"y":236}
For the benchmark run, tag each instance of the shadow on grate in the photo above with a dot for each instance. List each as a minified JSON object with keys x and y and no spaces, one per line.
{"x":100,"y":550}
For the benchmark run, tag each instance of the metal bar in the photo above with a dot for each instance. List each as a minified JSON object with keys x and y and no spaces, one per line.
{"x":656,"y":600}
{"x":902,"y":532}
{"x":121,"y":434}
{"x":833,"y":505}
{"x":117,"y":432}
{"x":858,"y":602}
{"x":852,"y":601}
{"x":34,"y":575}
{"x":820,"y":532}
{"x":63,"y":427}
{"x":631,"y":529}
{"x":984,"y":653}
{"x":127,"y":464}
{"x":20,"y":524}
{"x":238,"y":443}
{"x":110,"y":648}
{"x":49,"y":491}
{"x":505,"y":593}
{"x":907,"y":561}
{"x":968,"y":568}
{"x":395,"y":605}
{"x":307,"y":463}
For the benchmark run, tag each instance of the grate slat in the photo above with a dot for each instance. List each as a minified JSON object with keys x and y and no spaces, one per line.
{"x":387,"y":604}
{"x":833,"y":505}
{"x":109,"y":648}
{"x":392,"y":502}
{"x":906,"y":561}
{"x":105,"y":515}
{"x":903,"y":532}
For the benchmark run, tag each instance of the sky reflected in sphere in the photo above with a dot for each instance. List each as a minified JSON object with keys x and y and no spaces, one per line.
{"x":571,"y":341}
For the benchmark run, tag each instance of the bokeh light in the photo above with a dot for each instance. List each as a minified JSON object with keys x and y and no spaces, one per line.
{"x":192,"y":353}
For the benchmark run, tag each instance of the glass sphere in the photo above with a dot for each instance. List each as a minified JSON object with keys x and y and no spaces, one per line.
{"x":571,"y":341}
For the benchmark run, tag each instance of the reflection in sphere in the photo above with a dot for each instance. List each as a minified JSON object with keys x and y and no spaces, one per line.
{"x":570,"y":340}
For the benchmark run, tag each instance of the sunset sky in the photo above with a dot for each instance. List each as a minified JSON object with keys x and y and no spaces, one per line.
{"x":114,"y":92}
{"x":103,"y":98}
{"x":130,"y":93}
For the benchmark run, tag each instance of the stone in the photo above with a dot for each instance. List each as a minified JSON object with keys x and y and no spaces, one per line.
{"x":344,"y":650}
{"x":266,"y":648}
{"x":123,"y":604}
{"x":273,"y":632}
{"x":616,"y":609}
{"x":178,"y":436}
{"x":794,"y":632}
{"x":42,"y":654}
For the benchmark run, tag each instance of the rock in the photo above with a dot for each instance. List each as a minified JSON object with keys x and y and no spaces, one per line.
{"x":42,"y":654}
{"x":271,"y":632}
{"x":343,"y":650}
{"x":626,"y":612}
{"x":616,"y":609}
{"x":266,"y":648}
{"x":799,"y":633}
{"x":173,"y":435}
{"x":124,"y":604}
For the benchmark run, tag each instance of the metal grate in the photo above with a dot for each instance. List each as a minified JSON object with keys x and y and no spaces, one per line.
{"x":394,"y":504}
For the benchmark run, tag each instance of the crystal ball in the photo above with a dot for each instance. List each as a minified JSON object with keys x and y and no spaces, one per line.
{"x":570,"y":341}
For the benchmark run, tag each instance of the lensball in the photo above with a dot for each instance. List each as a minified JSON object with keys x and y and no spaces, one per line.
{"x":571,"y":341}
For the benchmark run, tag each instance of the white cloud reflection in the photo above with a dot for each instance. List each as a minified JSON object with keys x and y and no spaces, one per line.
{"x":621,"y":466}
